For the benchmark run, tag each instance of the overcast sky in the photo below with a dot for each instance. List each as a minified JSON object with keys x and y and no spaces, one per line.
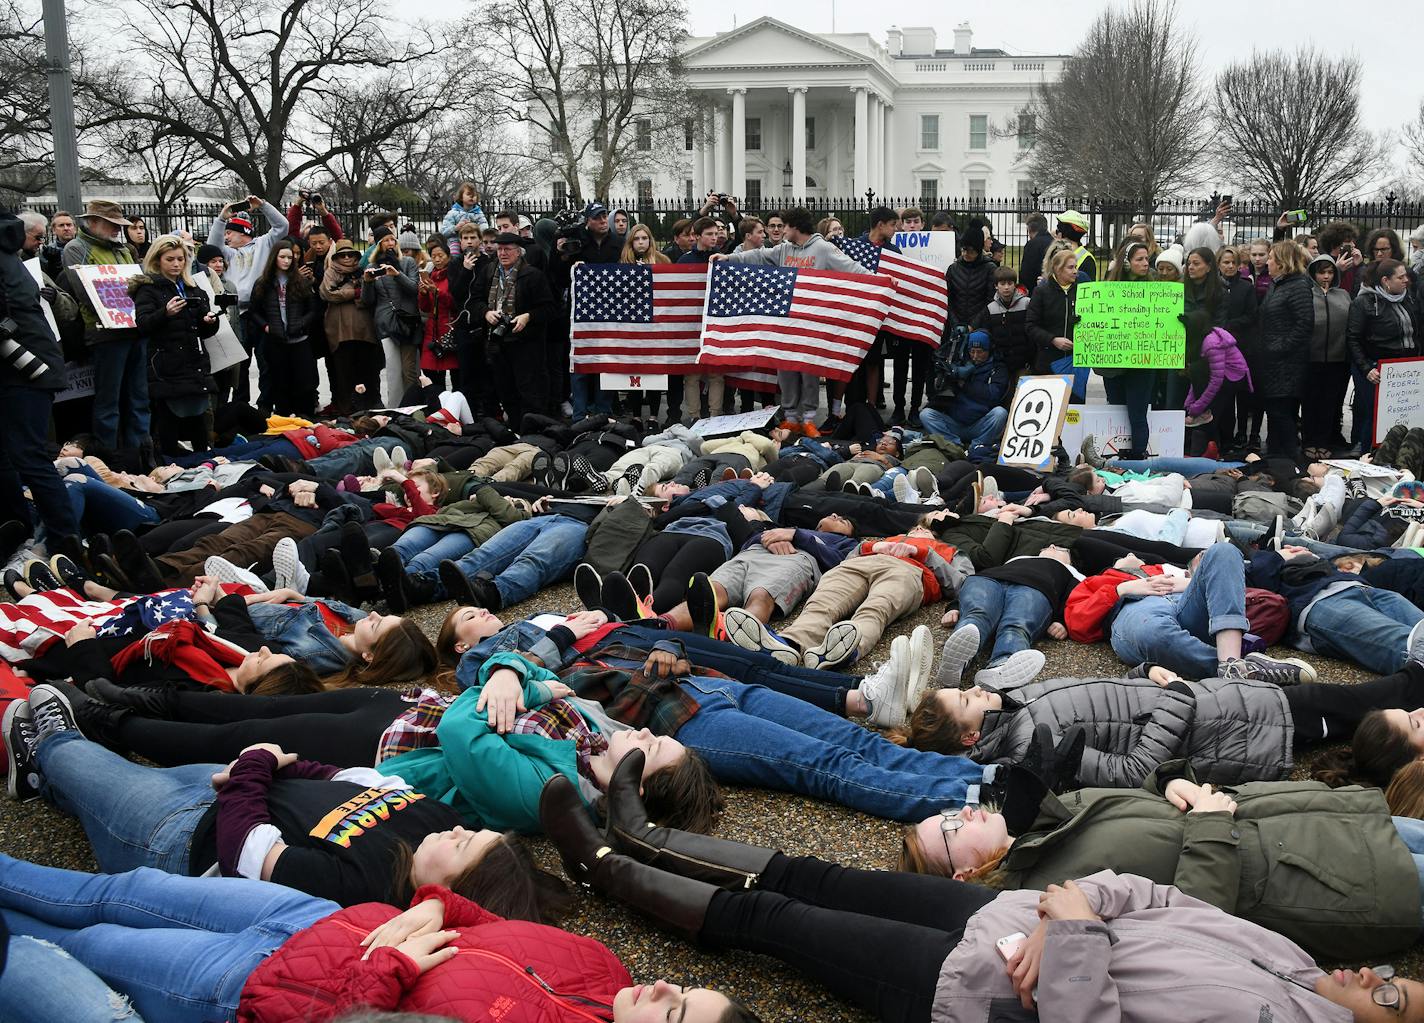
{"x":1227,"y":30}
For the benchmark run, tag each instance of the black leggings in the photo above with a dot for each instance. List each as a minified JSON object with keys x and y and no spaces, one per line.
{"x":179,"y":534}
{"x":1325,"y":712}
{"x":673,"y":558}
{"x":340,"y":727}
{"x":878,"y":938}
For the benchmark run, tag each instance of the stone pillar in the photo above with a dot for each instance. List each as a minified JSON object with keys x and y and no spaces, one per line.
{"x":831,"y":140}
{"x":738,"y":186}
{"x":798,"y":143}
{"x":877,"y":124}
{"x":887,"y":149}
{"x":862,"y":141}
{"x":724,"y":150}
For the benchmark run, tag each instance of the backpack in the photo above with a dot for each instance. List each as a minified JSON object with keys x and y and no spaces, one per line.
{"x":1269,"y":614}
{"x":1264,"y":505}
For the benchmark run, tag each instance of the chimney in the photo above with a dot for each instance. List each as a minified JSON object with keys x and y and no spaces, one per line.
{"x":963,"y":40}
{"x":895,"y":41}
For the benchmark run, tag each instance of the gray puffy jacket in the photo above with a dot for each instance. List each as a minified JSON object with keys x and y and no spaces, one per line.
{"x":1232,"y":731}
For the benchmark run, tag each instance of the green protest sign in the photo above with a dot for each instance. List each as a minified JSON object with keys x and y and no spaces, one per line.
{"x":1130,"y":325}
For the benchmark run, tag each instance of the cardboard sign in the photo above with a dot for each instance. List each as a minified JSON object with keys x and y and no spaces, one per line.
{"x":108,"y":291}
{"x":1111,"y":429}
{"x":728,"y":426}
{"x":33,"y":266}
{"x":633,"y":381}
{"x":78,"y":381}
{"x":1130,"y":325}
{"x":1399,"y":396}
{"x":938,"y":248}
{"x":1035,"y":420}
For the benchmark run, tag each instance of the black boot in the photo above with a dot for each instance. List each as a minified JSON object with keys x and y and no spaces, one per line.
{"x":97,"y":721}
{"x":716,"y":861}
{"x":149,"y":701}
{"x":677,"y":903}
{"x":390,"y":573}
{"x":138,"y":568}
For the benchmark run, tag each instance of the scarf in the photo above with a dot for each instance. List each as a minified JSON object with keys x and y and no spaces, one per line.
{"x":501,"y":295}
{"x":1378,"y":289}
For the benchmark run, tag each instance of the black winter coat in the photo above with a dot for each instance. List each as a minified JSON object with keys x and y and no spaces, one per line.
{"x":1009,"y":329}
{"x":1239,"y":318}
{"x":1052,"y":312}
{"x":177,"y":361}
{"x":1375,"y":329}
{"x":532,"y":295}
{"x":971,"y":288}
{"x":304,"y":313}
{"x":1287,"y":326}
{"x":20,"y":301}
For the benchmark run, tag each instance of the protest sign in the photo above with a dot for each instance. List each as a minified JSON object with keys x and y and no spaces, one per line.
{"x":33,"y":266}
{"x":1130,"y":325}
{"x":78,"y":381}
{"x":223,"y":348}
{"x":108,"y":289}
{"x":1399,"y":397}
{"x":727,"y":426}
{"x":1035,"y":419}
{"x":936,"y":248}
{"x":1111,"y":429}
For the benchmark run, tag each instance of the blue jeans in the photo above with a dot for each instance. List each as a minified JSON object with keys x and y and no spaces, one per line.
{"x":353,"y":459}
{"x":180,"y":947}
{"x":585,"y":396}
{"x":1168,"y":463}
{"x":107,"y":508}
{"x":1010,"y":617}
{"x":25,"y":462}
{"x":244,"y":451}
{"x":987,"y":429}
{"x":1364,"y":625}
{"x":422,"y":548}
{"x":824,"y":689}
{"x":68,"y":990}
{"x":1133,"y":388}
{"x":886,"y":483}
{"x":135,"y":816}
{"x":120,"y":392}
{"x":524,"y":557}
{"x":1411,"y":833}
{"x":1176,"y":631}
{"x":750,"y":735}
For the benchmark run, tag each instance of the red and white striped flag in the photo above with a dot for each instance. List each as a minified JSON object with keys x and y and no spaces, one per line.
{"x":921,"y":303}
{"x":629,"y":318}
{"x":28,"y":628}
{"x":785,"y":318}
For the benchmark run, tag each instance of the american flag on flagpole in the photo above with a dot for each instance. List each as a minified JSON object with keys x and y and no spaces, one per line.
{"x":629,"y":318}
{"x":784,"y":318}
{"x":921,"y":293}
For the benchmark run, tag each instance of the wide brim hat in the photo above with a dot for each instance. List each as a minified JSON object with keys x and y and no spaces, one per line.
{"x":106,"y":210}
{"x":510,"y":238}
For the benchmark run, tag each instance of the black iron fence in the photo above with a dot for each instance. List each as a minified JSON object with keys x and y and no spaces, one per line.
{"x":1110,"y":219}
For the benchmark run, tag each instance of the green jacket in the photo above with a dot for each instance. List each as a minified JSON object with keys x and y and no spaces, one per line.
{"x":933,"y":452}
{"x":1324,"y":867}
{"x":493,"y":780}
{"x":482,"y":515}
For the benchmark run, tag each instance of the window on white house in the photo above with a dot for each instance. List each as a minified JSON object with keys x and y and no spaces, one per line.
{"x":687,"y":197}
{"x":689,"y":133}
{"x":645,"y":191}
{"x":645,"y":135}
{"x":976,"y":189}
{"x":1028,"y":131}
{"x":561,"y":194}
{"x":810,"y":133}
{"x":753,"y":196}
{"x":929,"y":193}
{"x":753,"y":139}
{"x":978,"y":131}
{"x":929,"y":131}
{"x":600,"y":137}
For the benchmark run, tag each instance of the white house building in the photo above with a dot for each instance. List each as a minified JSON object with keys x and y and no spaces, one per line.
{"x":794,"y":114}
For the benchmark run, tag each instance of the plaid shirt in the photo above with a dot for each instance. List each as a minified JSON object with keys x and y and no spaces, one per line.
{"x":415,"y":728}
{"x":560,"y":719}
{"x":614,"y":677}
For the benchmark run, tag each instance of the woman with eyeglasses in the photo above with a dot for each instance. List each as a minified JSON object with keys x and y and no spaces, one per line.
{"x":1384,"y":323}
{"x":905,"y":947}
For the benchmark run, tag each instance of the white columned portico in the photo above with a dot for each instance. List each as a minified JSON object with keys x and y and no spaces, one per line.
{"x":862,"y":139}
{"x":739,"y":143}
{"x":887,"y":146}
{"x":877,"y":126}
{"x":832,"y":184}
{"x":709,"y":151}
{"x":798,"y":142}
{"x":724,"y":149}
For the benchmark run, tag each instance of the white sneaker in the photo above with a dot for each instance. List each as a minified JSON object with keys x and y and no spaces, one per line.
{"x":288,"y":567}
{"x":991,"y":487}
{"x":1017,"y":669}
{"x":885,"y":690}
{"x":839,"y":647}
{"x":1415,"y":646}
{"x":381,"y":459}
{"x":398,"y":458}
{"x":747,"y":632}
{"x":924,"y":482}
{"x":959,"y":649}
{"x":918,"y":664}
{"x":905,"y":491}
{"x":225,"y":571}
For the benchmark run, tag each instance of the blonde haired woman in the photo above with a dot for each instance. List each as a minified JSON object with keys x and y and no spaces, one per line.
{"x":1287,"y":327}
{"x":641,"y":247}
{"x":173,"y":317}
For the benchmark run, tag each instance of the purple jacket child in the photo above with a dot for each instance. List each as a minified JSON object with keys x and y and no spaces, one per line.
{"x":1226,"y":362}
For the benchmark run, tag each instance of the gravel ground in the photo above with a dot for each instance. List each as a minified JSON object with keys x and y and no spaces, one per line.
{"x":793,"y":824}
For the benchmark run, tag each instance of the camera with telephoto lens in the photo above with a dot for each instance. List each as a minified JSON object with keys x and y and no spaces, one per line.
{"x":570,"y":230}
{"x":500,"y":329}
{"x":310,"y":200}
{"x":15,"y":355}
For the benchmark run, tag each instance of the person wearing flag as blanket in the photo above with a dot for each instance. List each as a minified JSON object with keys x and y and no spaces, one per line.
{"x":803,"y":248}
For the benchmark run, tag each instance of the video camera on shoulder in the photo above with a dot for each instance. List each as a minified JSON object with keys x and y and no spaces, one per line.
{"x":570,"y":230}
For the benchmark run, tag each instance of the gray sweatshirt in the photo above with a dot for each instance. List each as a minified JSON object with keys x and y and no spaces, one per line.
{"x":245,"y":265}
{"x":815,"y":253}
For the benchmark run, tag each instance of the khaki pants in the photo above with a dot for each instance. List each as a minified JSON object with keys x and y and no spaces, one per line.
{"x":757,"y":449}
{"x":871,"y":591}
{"x":508,"y":464}
{"x":716,"y":390}
{"x":246,"y":544}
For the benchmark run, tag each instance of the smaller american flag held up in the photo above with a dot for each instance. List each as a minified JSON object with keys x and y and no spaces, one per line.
{"x":780,"y":318}
{"x":921,"y":293}
{"x":629,"y":318}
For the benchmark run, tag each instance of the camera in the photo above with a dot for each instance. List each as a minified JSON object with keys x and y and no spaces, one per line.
{"x":501,"y":329}
{"x":570,"y":230}
{"x":224,"y":301}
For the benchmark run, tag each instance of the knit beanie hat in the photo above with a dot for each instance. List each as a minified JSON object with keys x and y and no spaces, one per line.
{"x":381,"y":232}
{"x":241,"y":223}
{"x":208,"y":253}
{"x":980,"y":339}
{"x":408,"y":240}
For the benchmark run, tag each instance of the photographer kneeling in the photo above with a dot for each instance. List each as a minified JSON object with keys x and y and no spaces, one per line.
{"x":969,"y":390}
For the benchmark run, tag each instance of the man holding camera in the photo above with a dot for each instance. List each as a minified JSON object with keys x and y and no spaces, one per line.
{"x":235,"y":232}
{"x":514,"y":301}
{"x":968,"y":407}
{"x":31,"y":371}
{"x":310,"y":206}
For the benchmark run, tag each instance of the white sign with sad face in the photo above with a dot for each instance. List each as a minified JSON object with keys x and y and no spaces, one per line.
{"x":1035,"y":419}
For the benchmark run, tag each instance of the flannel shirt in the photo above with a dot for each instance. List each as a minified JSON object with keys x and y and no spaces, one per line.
{"x":415,"y":728}
{"x":560,"y":719}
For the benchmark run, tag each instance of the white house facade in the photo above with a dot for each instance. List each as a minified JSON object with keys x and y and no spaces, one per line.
{"x":793,"y":114}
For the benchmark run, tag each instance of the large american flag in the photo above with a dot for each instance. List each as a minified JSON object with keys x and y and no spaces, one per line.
{"x":921,"y":292}
{"x":784,"y":318}
{"x":629,"y":318}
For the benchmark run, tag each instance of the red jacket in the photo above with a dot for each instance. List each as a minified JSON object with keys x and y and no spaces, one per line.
{"x":435,"y":306}
{"x":1093,"y":599}
{"x":923,"y":546}
{"x":318,"y":440}
{"x":509,"y":971}
{"x":404,"y":514}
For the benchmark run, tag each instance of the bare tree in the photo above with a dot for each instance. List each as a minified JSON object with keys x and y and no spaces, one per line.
{"x":1128,"y":118}
{"x":173,"y":166}
{"x":241,"y":81}
{"x":1289,"y":124}
{"x":472,"y":145}
{"x":599,"y":84}
{"x":1413,"y":139}
{"x":27,"y":155}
